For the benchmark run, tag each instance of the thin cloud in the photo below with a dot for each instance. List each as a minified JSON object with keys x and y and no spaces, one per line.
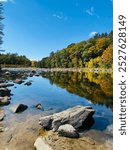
{"x":57,"y":16}
{"x":92,"y":34}
{"x":90,"y":11}
{"x":60,"y":16}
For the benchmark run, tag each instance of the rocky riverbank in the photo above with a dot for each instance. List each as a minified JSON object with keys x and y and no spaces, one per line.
{"x":28,"y":134}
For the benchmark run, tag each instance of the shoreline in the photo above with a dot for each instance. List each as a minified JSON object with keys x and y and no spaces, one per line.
{"x":93,"y":70}
{"x":22,"y":135}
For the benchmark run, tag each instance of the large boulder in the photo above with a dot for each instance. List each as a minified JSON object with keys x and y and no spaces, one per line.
{"x":41,"y":145}
{"x":18,"y":108}
{"x":68,"y":130}
{"x":75,"y":116}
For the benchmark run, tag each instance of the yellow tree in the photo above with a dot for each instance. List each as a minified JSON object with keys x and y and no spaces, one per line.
{"x":107,"y":56}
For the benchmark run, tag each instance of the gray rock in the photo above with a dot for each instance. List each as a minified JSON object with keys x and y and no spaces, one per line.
{"x":37,"y":75}
{"x":46,"y":122}
{"x":28,"y":83}
{"x":3,"y":85}
{"x":18,"y":81}
{"x":18,"y":108}
{"x":5,"y":100}
{"x":33,"y":71}
{"x":2,"y":80}
{"x":30,"y":74}
{"x":41,"y":145}
{"x":68,"y":130}
{"x":10,"y":84}
{"x":4,"y":92}
{"x":7,"y":73}
{"x":75,"y":116}
{"x":39,"y":106}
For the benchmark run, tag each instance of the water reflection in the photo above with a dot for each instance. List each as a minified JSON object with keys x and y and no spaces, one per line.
{"x":96,"y":87}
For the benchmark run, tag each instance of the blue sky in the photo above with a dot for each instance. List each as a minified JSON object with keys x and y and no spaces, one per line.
{"x":36,"y":27}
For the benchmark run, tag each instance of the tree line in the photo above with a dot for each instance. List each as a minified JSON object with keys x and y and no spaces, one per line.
{"x":14,"y":59}
{"x":96,"y":52}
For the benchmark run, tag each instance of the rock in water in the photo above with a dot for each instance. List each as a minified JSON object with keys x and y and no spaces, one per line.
{"x":68,"y":130}
{"x":4,"y":92}
{"x":41,"y":145}
{"x":75,"y":116}
{"x":18,"y":108}
{"x":39,"y":106}
{"x":18,"y":81}
{"x":28,"y":83}
{"x":4,"y":100}
{"x":37,"y":75}
{"x":4,"y":85}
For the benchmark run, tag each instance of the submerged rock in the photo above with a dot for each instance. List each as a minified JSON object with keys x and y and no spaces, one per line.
{"x":18,"y":108}
{"x":39,"y":106}
{"x":28,"y":83}
{"x":68,"y":130}
{"x":75,"y":116}
{"x":41,"y":145}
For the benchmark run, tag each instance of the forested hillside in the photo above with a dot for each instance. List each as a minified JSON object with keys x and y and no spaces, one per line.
{"x":14,"y":59}
{"x":97,"y":52}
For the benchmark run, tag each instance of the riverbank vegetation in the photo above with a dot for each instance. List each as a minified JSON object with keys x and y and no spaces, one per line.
{"x":8,"y":60}
{"x":96,"y":52}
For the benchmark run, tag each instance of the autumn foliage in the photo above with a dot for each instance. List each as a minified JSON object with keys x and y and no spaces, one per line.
{"x":96,"y":52}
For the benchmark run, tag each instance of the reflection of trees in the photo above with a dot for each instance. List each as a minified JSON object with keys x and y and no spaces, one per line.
{"x":96,"y":87}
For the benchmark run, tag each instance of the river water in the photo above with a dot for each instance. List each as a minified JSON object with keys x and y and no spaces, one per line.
{"x":57,"y":91}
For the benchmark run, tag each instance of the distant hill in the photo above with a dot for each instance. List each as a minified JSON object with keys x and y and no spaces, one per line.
{"x":96,"y":52}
